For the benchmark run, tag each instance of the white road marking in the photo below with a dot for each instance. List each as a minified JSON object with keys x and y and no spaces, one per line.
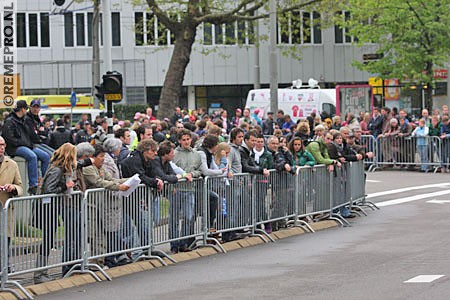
{"x":424,"y":278}
{"x":412,"y":188}
{"x":438,"y":201}
{"x":369,"y":180}
{"x":413,"y":198}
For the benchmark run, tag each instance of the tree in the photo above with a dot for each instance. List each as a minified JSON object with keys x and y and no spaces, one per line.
{"x":413,"y":37}
{"x":192,"y":13}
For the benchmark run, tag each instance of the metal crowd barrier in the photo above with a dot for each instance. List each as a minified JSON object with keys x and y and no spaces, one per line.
{"x":79,"y":233}
{"x":369,"y":144}
{"x":428,"y":153}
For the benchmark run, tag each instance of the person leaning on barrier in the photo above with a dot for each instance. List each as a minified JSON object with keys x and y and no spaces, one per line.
{"x":57,"y":180}
{"x":10,"y":185}
{"x":300,"y":155}
{"x":319,"y":149}
{"x":189,"y":160}
{"x":246,"y":148}
{"x":445,"y":140}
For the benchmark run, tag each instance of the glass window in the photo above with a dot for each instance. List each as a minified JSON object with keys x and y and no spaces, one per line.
{"x":306,"y":28}
{"x":115,"y":19}
{"x":139,"y":28}
{"x":68,"y":29}
{"x":21,"y":30}
{"x":90,"y":18}
{"x":317,"y":32}
{"x":241,"y":30}
{"x":218,"y":34}
{"x":348,"y":38}
{"x":81,"y":38}
{"x":150,"y":29}
{"x":162,"y":34}
{"x":33,"y":30}
{"x":45,"y":30}
{"x":296,"y":27}
{"x":230,"y":38}
{"x":207,"y":34}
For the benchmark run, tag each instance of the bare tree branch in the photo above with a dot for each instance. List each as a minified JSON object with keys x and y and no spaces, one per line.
{"x":162,"y":16}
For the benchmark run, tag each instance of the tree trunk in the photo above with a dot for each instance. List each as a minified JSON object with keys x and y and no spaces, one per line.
{"x":173,"y":83}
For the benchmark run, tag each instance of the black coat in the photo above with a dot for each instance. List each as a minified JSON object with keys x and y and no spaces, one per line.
{"x":136,"y":164}
{"x":163,"y":171}
{"x":248,"y":163}
{"x":59,"y":137}
{"x":16,"y":133}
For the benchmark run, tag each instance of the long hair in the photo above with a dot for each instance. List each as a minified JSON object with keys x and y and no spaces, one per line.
{"x":65,"y":157}
{"x":221,"y":146}
{"x":291,"y":145}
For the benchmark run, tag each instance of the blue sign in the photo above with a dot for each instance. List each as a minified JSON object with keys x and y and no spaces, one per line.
{"x":73,"y":99}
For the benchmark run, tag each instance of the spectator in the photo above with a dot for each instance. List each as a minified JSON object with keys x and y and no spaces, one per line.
{"x":268,"y":125}
{"x":248,"y":163}
{"x":58,"y":179}
{"x":364,"y":124}
{"x":236,"y":138}
{"x":38,"y":132}
{"x":17,"y":137}
{"x":226,"y":124}
{"x":376,"y":123}
{"x":60,"y":136}
{"x":85,"y":152}
{"x":319,"y":131}
{"x":158,"y":136}
{"x":263,"y":158}
{"x":190,"y":161}
{"x":123,"y":134}
{"x":301,"y":156}
{"x":280,"y":118}
{"x":445,"y":140}
{"x":421,"y":132}
{"x":84,"y":119}
{"x":426,"y":117}
{"x":176,"y":115}
{"x":247,"y":118}
{"x":288,"y":123}
{"x":84,"y":134}
{"x":319,"y":150}
{"x":336,"y":123}
{"x":143,"y":132}
{"x":255,"y":115}
{"x":149,"y":114}
{"x":10,"y":186}
{"x":237,"y":117}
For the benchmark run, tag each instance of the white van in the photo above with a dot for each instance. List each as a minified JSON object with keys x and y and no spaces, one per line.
{"x":298,"y":103}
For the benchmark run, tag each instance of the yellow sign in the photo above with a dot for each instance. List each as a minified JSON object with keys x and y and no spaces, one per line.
{"x":9,"y":90}
{"x":377,"y":85}
{"x":113,"y":97}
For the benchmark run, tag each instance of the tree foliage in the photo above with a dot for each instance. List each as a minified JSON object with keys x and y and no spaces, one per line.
{"x":413,"y":35}
{"x":193,"y":13}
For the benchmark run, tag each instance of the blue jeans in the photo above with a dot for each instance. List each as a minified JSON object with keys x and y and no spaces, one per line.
{"x":183,"y":202}
{"x":32,"y":156}
{"x":423,"y":152}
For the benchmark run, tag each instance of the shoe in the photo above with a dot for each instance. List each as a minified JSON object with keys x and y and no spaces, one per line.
{"x":174,"y":250}
{"x":350,"y":216}
{"x":41,"y":278}
{"x":268,"y":228}
{"x":184,"y":249}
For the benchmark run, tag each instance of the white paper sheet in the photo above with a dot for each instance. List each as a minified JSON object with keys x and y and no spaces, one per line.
{"x":133,"y":183}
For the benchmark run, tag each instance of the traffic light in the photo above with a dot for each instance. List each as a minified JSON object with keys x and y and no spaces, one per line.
{"x":100,"y":92}
{"x":113,"y":86}
{"x":59,"y":2}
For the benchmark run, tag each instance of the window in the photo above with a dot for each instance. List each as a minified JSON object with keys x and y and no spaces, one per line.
{"x":115,"y":27}
{"x":341,"y":35}
{"x":239,"y":32}
{"x":299,"y":27}
{"x":78,"y":29}
{"x":149,"y":31}
{"x":32,"y":30}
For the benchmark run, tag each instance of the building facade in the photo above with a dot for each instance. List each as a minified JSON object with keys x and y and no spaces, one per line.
{"x":55,"y":54}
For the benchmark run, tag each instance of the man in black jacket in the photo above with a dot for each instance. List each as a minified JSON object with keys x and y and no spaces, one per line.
{"x":18,"y":140}
{"x":248,"y":163}
{"x":140,"y":163}
{"x":123,"y":134}
{"x":60,"y":136}
{"x":269,"y":124}
{"x":37,"y":131}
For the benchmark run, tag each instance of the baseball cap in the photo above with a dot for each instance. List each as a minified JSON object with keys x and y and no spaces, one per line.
{"x":35,"y":102}
{"x":137,"y":116}
{"x":21,"y":104}
{"x":87,"y":123}
{"x":239,"y":110}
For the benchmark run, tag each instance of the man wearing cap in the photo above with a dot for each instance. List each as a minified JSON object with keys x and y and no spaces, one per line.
{"x":18,"y":143}
{"x":83,"y":134}
{"x":268,"y":124}
{"x":38,"y":134}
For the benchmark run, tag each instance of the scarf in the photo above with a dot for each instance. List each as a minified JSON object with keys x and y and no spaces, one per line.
{"x":258,"y":154}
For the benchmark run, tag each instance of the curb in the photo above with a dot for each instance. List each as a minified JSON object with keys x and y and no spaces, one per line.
{"x":140,"y":266}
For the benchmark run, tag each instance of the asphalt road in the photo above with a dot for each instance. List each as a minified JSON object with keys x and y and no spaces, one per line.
{"x":372,"y":259}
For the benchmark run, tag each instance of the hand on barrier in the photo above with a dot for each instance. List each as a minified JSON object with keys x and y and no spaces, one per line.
{"x":9,"y":188}
{"x":70,"y":184}
{"x":188,"y":176}
{"x":159,"y":184}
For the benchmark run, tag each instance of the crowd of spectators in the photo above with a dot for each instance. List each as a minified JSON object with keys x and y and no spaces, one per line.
{"x":189,"y":145}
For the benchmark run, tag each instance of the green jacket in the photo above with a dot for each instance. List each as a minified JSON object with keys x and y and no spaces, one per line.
{"x":319,"y":150}
{"x":265,"y":160}
{"x":303,"y":158}
{"x":435,"y":131}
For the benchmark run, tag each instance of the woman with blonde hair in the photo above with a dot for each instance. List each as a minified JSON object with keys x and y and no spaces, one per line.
{"x":57,"y":180}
